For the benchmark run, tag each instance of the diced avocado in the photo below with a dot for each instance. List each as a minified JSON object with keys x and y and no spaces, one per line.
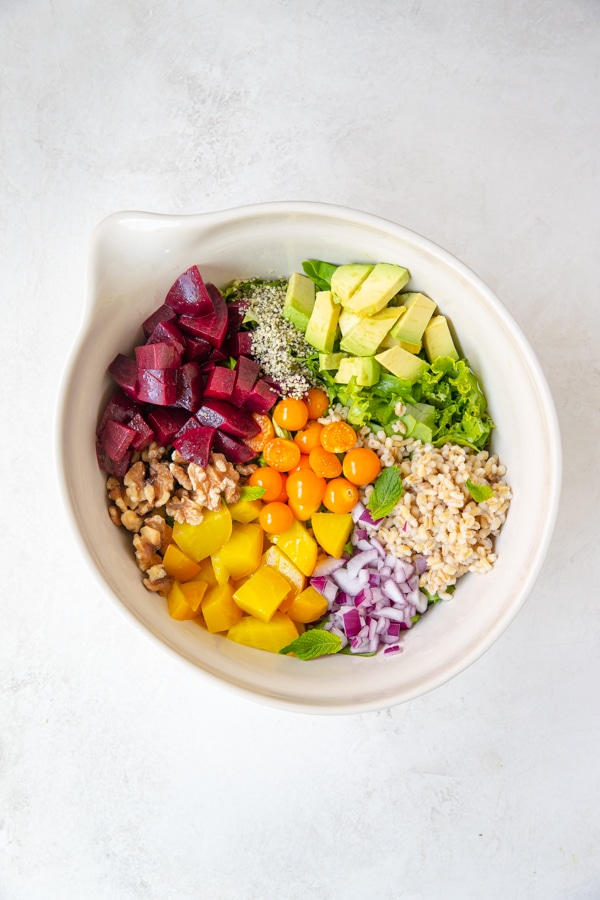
{"x":367,"y":335}
{"x":438,"y":340}
{"x":347,"y":321}
{"x":377,"y":289}
{"x":410,"y":328}
{"x":322,"y":325}
{"x":365,"y":369}
{"x":328,"y":362}
{"x":390,"y":341}
{"x":299,"y":300}
{"x":346,"y":279}
{"x":402,"y":363}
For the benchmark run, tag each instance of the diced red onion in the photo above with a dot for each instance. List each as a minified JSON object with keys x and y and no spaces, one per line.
{"x":413,"y":582}
{"x":421,"y":602}
{"x":351,"y":586}
{"x":363,"y":545}
{"x":327,"y":566}
{"x":420,"y":562}
{"x":390,"y":612}
{"x":351,"y":620}
{"x":378,"y":546}
{"x":391,"y":590}
{"x":388,"y":638}
{"x":385,"y":571}
{"x":383,"y":625}
{"x":364,"y":597}
{"x":365,"y":518}
{"x":318,"y":583}
{"x":393,"y":629}
{"x":330,"y":590}
{"x":361,"y":560}
{"x":374,"y":644}
{"x":395,"y":648}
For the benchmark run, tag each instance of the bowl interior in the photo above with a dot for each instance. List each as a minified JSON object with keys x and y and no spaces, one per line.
{"x":134,"y":259}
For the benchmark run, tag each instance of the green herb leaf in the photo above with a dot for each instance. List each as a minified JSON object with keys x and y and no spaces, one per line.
{"x":251,"y":492}
{"x":479,"y":492}
{"x":281,"y":432}
{"x":313,"y":643}
{"x":319,"y":272}
{"x":388,"y":490}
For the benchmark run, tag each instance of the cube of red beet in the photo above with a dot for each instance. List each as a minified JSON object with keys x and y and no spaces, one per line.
{"x":168,"y":333}
{"x":167,"y":422}
{"x":189,"y":386}
{"x":262,"y":397}
{"x":188,"y":296}
{"x":157,"y":386}
{"x":247,"y":371}
{"x":211,"y":328}
{"x":112,"y":466}
{"x":196,"y":348}
{"x":144,"y":435}
{"x":164,"y":313}
{"x":224,"y":416}
{"x":236,"y":452}
{"x":159,"y":355}
{"x":124,"y":370}
{"x":220,"y":383}
{"x":195,"y":444}
{"x":120,"y":407}
{"x":116,"y":439}
{"x":239,"y":344}
{"x":235,"y":316}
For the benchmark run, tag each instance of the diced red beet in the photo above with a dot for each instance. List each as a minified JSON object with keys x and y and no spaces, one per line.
{"x":208,"y":366}
{"x":189,"y":386}
{"x":144,"y":436}
{"x":236,"y":452}
{"x":167,"y":422}
{"x":157,"y":386}
{"x":196,"y":348}
{"x":235,"y":316}
{"x":159,"y":355}
{"x":120,"y":407}
{"x":218,"y":356}
{"x":247,"y":372}
{"x":211,"y":328}
{"x":112,"y":466}
{"x":224,"y":416}
{"x":239,"y":344}
{"x":164,"y":313}
{"x":124,"y":370}
{"x":188,"y":296}
{"x":220,"y":383}
{"x":168,"y":333}
{"x":116,"y":439}
{"x":195,"y":444}
{"x":262,"y":397}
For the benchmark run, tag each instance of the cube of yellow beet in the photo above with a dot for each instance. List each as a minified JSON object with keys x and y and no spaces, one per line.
{"x":276,"y":558}
{"x":308,"y":606}
{"x":179,"y":606}
{"x":200,"y":541}
{"x":262,"y":593}
{"x":179,"y":565}
{"x":220,"y":572}
{"x":245,"y":510}
{"x":272,"y":636}
{"x":194,"y":592}
{"x":332,"y":531}
{"x":299,"y":546}
{"x":219,"y":610}
{"x":206,"y":573}
{"x":241,"y":554}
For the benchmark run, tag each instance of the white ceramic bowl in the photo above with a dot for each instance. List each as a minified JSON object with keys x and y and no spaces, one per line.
{"x":134,"y":258}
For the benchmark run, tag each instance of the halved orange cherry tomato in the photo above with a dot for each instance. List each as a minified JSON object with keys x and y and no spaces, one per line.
{"x":265,"y":434}
{"x":338,"y":437}
{"x":340,"y":496}
{"x":291,"y":414}
{"x":317,"y":402}
{"x":275,"y":518}
{"x":361,"y":465}
{"x":303,"y":464}
{"x":269,"y":479}
{"x":306,"y":489}
{"x":309,"y":437}
{"x":281,"y":454}
{"x":324,"y":463}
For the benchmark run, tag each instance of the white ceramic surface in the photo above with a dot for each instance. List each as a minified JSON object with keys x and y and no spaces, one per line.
{"x":134,"y":258}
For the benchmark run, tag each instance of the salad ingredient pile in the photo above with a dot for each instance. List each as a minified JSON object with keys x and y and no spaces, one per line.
{"x":303,"y":465}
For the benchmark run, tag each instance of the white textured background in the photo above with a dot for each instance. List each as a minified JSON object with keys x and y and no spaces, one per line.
{"x":122,"y":776}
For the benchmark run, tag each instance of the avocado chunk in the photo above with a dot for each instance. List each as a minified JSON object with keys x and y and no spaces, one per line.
{"x":368,"y":333}
{"x":322,"y":325}
{"x":328,"y":362}
{"x":438,"y":340}
{"x":365,"y":369}
{"x":410,"y":328}
{"x":346,"y":279}
{"x":347,"y":321}
{"x":299,"y":300}
{"x":402,"y":363}
{"x":390,"y":341}
{"x":377,"y":289}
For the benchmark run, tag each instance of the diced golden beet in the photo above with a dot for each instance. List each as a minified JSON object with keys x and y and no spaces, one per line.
{"x":200,"y":541}
{"x":194,"y":592}
{"x":332,"y":531}
{"x":218,"y":608}
{"x":299,"y":546}
{"x":179,"y":565}
{"x":262,"y":593}
{"x":245,"y":510}
{"x":179,"y":607}
{"x":276,"y":558}
{"x":309,"y":606}
{"x":242,"y":552}
{"x":273,"y":635}
{"x":220,"y":572}
{"x":206,"y":573}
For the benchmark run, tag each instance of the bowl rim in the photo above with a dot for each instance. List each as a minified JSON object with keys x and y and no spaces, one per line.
{"x":353,"y":216}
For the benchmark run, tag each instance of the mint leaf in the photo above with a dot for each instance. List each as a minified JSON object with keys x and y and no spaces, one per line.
{"x":388,"y":490}
{"x":313,"y":643}
{"x":479,"y":492}
{"x":251,"y":492}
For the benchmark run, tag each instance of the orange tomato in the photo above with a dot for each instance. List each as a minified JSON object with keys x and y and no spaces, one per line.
{"x":291,"y":414}
{"x":317,"y":402}
{"x":361,"y":465}
{"x":324,"y":463}
{"x":282,"y":498}
{"x":303,"y":464}
{"x":265,"y":434}
{"x":305,"y":489}
{"x":275,"y":518}
{"x":338,"y":437}
{"x":269,"y":479}
{"x":281,"y":454}
{"x":340,"y":496}
{"x":309,"y":437}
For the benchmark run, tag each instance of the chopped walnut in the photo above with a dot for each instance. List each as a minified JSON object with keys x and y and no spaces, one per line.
{"x":180,"y":474}
{"x":135,"y":482}
{"x":246,"y":471}
{"x":145,"y":549}
{"x":161,"y":480}
{"x":184,"y":509}
{"x":131,"y":521}
{"x":157,"y":580}
{"x":154,"y":451}
{"x":166,"y":532}
{"x":115,"y":515}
